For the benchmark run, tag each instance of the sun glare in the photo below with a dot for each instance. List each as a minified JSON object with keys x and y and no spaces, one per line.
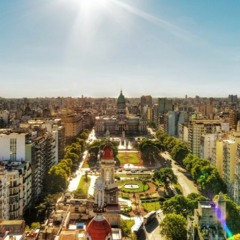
{"x":90,"y":6}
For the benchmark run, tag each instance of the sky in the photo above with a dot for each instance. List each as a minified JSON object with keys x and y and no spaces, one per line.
{"x":96,"y":48}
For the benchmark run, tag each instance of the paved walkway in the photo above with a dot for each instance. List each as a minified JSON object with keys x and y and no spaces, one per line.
{"x":91,"y":187}
{"x":73,"y":184}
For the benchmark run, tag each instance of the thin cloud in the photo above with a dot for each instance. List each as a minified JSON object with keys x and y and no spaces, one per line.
{"x":173,"y":29}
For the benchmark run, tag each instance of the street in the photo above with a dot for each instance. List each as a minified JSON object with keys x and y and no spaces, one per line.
{"x":186,"y":184}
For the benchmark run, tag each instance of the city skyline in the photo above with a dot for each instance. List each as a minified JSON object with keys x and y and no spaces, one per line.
{"x":95,"y":48}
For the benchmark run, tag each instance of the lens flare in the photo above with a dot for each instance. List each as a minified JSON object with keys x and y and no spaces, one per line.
{"x":222,"y":219}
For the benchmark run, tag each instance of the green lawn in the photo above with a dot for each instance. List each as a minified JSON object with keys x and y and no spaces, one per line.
{"x":82,"y":189}
{"x":128,"y":157}
{"x":130,"y":175}
{"x":151,"y":206}
{"x":142,"y":187}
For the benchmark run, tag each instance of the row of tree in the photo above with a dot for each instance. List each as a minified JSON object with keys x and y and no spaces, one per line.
{"x":59,"y":174}
{"x":209,"y":182}
{"x":174,"y":146}
{"x":203,"y":173}
{"x":57,"y":180}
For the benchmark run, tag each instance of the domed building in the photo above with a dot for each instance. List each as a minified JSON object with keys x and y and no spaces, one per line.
{"x":98,"y":229}
{"x":122,"y":123}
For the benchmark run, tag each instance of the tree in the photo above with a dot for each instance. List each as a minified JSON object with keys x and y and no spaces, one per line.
{"x":198,"y":169}
{"x":47,"y":204}
{"x":149,"y":150}
{"x":64,"y":165}
{"x":68,"y":162}
{"x":56,"y":179}
{"x":74,"y":148}
{"x":177,"y":204}
{"x":165,"y":175}
{"x":126,"y":227}
{"x":73,"y":156}
{"x":84,"y":135}
{"x":193,"y":199}
{"x":211,"y":183}
{"x":81,"y":142}
{"x":35,"y":225}
{"x":161,"y":135}
{"x":189,"y":161}
{"x":179,"y":152}
{"x":174,"y":227}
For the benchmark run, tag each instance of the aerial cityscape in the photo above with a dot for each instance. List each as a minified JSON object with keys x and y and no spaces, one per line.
{"x":119,"y":120}
{"x":120,"y":168}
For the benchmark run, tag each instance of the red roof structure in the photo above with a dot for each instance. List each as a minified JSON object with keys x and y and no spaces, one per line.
{"x":108,"y":153}
{"x":99,"y":228}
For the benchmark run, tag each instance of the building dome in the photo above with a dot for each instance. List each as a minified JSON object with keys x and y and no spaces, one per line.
{"x":99,"y":229}
{"x":121,"y":99}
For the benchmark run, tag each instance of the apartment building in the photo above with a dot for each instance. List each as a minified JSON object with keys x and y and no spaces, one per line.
{"x":197,"y":128}
{"x":236,"y":193}
{"x":217,"y":155}
{"x":73,"y":125}
{"x":4,"y":193}
{"x":165,"y":105}
{"x":16,"y":189}
{"x":207,"y":143}
{"x":230,"y":162}
{"x":174,"y":119}
{"x":53,"y":126}
{"x":40,"y":151}
{"x":26,"y":156}
{"x":12,"y":145}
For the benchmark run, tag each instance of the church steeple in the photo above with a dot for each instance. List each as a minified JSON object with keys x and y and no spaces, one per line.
{"x":107,"y":170}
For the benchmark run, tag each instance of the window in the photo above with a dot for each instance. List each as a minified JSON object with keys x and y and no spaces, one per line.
{"x":13,"y":149}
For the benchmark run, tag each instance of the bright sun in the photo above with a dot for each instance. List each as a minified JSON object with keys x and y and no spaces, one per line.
{"x":89,"y":6}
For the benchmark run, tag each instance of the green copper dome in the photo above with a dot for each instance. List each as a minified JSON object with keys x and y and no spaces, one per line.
{"x":121,"y":99}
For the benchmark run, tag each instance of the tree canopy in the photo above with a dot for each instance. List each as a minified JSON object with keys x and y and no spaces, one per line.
{"x":205,"y":175}
{"x":177,"y":204}
{"x":165,"y":176}
{"x":174,"y":227}
{"x":182,"y":205}
{"x":150,"y":150}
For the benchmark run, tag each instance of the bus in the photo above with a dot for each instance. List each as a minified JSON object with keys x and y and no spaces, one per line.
{"x":149,"y":217}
